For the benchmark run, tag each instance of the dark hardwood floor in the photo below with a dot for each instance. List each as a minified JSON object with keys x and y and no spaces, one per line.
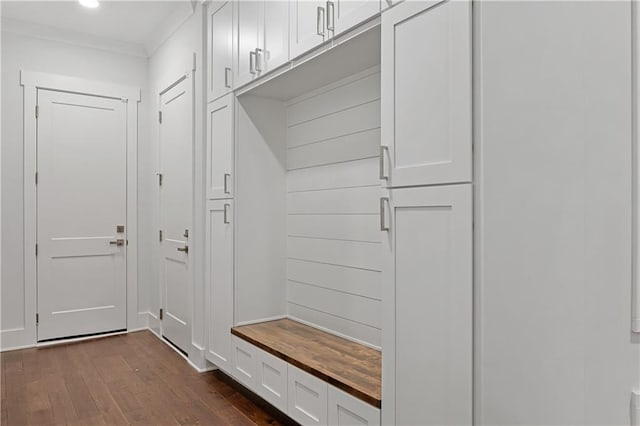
{"x":128,"y":379}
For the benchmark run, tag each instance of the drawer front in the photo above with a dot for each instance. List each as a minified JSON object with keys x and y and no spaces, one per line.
{"x":244,"y":363}
{"x":307,"y":398}
{"x":272,"y":379}
{"x":345,"y":410}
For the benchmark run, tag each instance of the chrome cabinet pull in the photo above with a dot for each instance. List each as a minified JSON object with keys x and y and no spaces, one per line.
{"x":258,"y":67}
{"x":331,"y":16}
{"x":226,"y":214}
{"x":252,"y":55}
{"x":320,"y":21}
{"x":119,"y":242}
{"x":383,"y":225}
{"x":382,"y":151}
{"x":227,"y":70}
{"x":226,"y":183}
{"x":184,"y":249}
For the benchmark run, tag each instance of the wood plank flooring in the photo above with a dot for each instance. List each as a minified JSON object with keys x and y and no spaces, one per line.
{"x":128,"y":379}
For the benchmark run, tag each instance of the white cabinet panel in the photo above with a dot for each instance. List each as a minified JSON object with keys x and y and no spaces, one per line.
{"x":307,"y":398}
{"x":345,"y":410}
{"x":427,"y":329}
{"x":220,"y":145}
{"x":426,"y":93}
{"x":244,"y":362}
{"x":219,"y":282}
{"x":220,"y":49}
{"x":276,"y":34}
{"x":272,"y":379}
{"x":345,"y":14}
{"x":308,"y":26}
{"x":248,"y":17}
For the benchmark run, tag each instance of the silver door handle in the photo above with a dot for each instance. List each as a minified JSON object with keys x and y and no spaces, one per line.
{"x":184,"y":249}
{"x":382,"y":151}
{"x":226,"y":183}
{"x":320,"y":21}
{"x":252,"y":55}
{"x":119,"y":242}
{"x":257,"y":66}
{"x":331,"y":16}
{"x":227,"y":70}
{"x":225,"y":214}
{"x":383,"y":224}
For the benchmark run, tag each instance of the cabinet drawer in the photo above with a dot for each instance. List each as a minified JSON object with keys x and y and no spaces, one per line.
{"x":345,"y":410}
{"x":307,"y":398}
{"x":271,"y":379}
{"x":244,"y":362}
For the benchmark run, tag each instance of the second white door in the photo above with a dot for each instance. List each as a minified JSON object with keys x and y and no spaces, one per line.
{"x":175,"y":180}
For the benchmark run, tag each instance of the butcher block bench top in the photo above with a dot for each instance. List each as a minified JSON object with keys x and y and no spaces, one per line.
{"x":352,"y":367}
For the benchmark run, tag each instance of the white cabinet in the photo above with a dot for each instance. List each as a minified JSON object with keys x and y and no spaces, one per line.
{"x":220,"y":143}
{"x":427,"y":333}
{"x":308,"y":25}
{"x":219,"y":282}
{"x":271,"y":379}
{"x":345,"y":14}
{"x":244,"y":362}
{"x":426,"y":93}
{"x":275,"y":35}
{"x":345,"y":410}
{"x":307,"y":398}
{"x":220,"y":49}
{"x":248,"y":16}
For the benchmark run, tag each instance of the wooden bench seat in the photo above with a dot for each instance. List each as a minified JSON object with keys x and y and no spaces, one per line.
{"x":352,"y":367}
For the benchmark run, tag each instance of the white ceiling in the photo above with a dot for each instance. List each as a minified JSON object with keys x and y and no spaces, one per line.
{"x":136,"y":26}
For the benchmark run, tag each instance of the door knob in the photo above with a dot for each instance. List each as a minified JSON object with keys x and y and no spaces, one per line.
{"x":184,"y":249}
{"x":119,"y":242}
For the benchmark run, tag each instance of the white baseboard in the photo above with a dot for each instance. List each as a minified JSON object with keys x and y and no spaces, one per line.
{"x":19,"y":338}
{"x":262,"y":320}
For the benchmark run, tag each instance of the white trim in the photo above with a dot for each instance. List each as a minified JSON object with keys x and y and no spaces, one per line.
{"x":279,"y":317}
{"x":335,"y":333}
{"x":635,"y":58}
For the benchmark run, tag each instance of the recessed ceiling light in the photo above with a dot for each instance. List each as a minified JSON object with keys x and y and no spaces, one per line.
{"x":91,"y":4}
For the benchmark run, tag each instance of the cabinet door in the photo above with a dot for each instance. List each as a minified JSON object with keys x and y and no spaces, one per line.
{"x":248,"y":20}
{"x":219,"y":282}
{"x":426,"y":93}
{"x":244,"y":362}
{"x":271,"y":379}
{"x":276,"y":34}
{"x":307,"y":398}
{"x":308,"y":25}
{"x":345,"y":410}
{"x":220,"y":49}
{"x":427,"y":245}
{"x":220,"y":148}
{"x":345,"y":14}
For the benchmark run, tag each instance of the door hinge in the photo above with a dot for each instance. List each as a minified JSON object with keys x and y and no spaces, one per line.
{"x":36,"y":178}
{"x":36,"y":249}
{"x":161,"y":314}
{"x":37,"y":319}
{"x":635,"y":408}
{"x":160,"y":235}
{"x":159,"y":178}
{"x":160,"y":117}
{"x":37,"y":111}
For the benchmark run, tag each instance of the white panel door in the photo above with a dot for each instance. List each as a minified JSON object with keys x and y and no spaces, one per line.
{"x":307,"y":397}
{"x":275,"y":34}
{"x":81,"y":199}
{"x":176,"y":145}
{"x":219,"y":282}
{"x":308,"y":25}
{"x":345,"y":410}
{"x":427,"y":333}
{"x":220,"y":145}
{"x":248,"y":19}
{"x":271,"y":379}
{"x":220,"y":49}
{"x":426,"y":93}
{"x":345,"y":14}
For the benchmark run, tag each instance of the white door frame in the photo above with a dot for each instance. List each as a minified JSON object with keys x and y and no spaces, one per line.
{"x":32,"y":81}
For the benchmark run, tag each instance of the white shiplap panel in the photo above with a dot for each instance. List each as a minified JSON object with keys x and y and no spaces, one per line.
{"x":365,"y":144}
{"x":337,"y":99}
{"x":362,"y":200}
{"x":353,"y":227}
{"x":352,"y":120}
{"x":355,"y":308}
{"x":348,"y":280}
{"x":336,"y":252}
{"x":351,"y":329}
{"x":341,"y":175}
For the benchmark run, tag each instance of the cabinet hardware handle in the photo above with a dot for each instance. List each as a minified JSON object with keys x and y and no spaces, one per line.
{"x":258,"y":68}
{"x":383,"y":149}
{"x":184,"y":249}
{"x":320,"y":21}
{"x":227,"y":70}
{"x":383,"y":225}
{"x":331,"y":16}
{"x":252,"y":55}
{"x":119,"y":242}
{"x":226,"y":183}
{"x":226,"y":214}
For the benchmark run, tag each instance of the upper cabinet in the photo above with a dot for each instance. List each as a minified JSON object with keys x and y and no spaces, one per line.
{"x":220,"y":49}
{"x":275,"y":34}
{"x":308,"y":25}
{"x":346,"y":14}
{"x":426,"y":93}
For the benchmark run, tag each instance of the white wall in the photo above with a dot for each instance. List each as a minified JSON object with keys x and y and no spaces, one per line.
{"x":553,"y":214}
{"x":20,"y":52}
{"x":170,"y":61}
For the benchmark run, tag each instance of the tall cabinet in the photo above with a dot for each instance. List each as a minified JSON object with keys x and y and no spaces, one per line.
{"x":426,"y":213}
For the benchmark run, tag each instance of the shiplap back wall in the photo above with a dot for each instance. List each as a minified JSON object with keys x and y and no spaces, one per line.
{"x":333,"y":244}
